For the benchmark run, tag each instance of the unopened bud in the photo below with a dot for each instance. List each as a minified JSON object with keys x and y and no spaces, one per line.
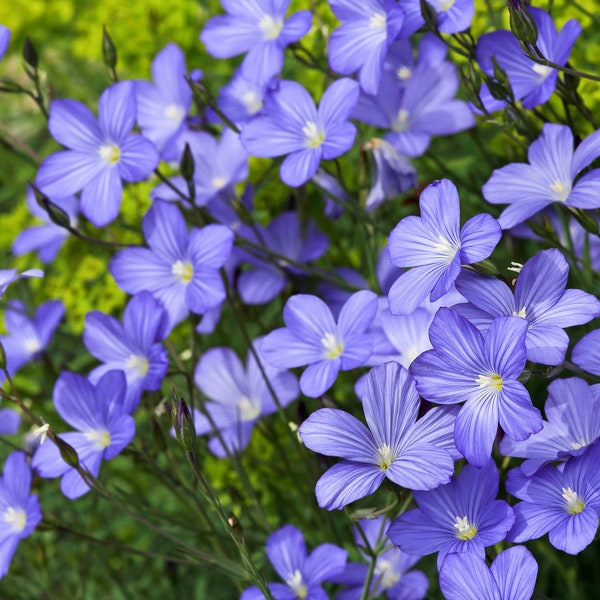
{"x":485,"y":267}
{"x":67,"y":452}
{"x":429,"y":14}
{"x":109,"y":52}
{"x":183,"y":423}
{"x":187,"y":165}
{"x":30,"y":54}
{"x":522,"y":24}
{"x":236,"y":526}
{"x":585,"y":219}
{"x":56,"y":213}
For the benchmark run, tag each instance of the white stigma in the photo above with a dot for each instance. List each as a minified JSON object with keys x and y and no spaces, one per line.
{"x":522,"y":313}
{"x":297,"y":585}
{"x":464,"y":529}
{"x":542,"y":70}
{"x":492,"y":382}
{"x":404,"y":73}
{"x":32,"y":345}
{"x":578,"y":445}
{"x":574,"y":503}
{"x":252,"y":101}
{"x":385,"y":573}
{"x":16,"y":518}
{"x":174,"y":113}
{"x":248,"y":410}
{"x":386,"y":456}
{"x":219,"y":183}
{"x":110,"y":154}
{"x":314,"y":135}
{"x":270,"y":27}
{"x":561,"y":191}
{"x":401,"y":121}
{"x":183,"y":270}
{"x":137,"y":363}
{"x":378,"y":21}
{"x":332,"y":346}
{"x":445,"y":248}
{"x":100,"y":438}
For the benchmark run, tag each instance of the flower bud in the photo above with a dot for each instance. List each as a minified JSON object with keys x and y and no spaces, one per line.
{"x":67,"y":452}
{"x":522,"y":23}
{"x":109,"y":52}
{"x":183,"y":423}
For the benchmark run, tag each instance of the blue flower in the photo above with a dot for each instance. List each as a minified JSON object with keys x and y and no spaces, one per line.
{"x":4,"y":40}
{"x":101,"y":152}
{"x":312,"y":337}
{"x":8,"y":276}
{"x":415,"y":454}
{"x":133,"y":346}
{"x":461,"y":516}
{"x":258,"y":27}
{"x":27,"y":337}
{"x":238,"y":396}
{"x":564,"y":503}
{"x":511,"y":576}
{"x":549,"y":177}
{"x":180,"y":269}
{"x":10,"y":421}
{"x":530,"y":82}
{"x":19,"y":511}
{"x":452,"y":15}
{"x":360,"y":43}
{"x":103,"y":428}
{"x":302,"y":573}
{"x":292,"y":125}
{"x":435,"y":246}
{"x":539,"y":297}
{"x":573,"y":426}
{"x":482,"y":372}
{"x":162,"y":108}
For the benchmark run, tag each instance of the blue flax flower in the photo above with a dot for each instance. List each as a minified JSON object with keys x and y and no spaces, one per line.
{"x":239,"y":396}
{"x":452,"y":15}
{"x":549,"y":177}
{"x":292,"y":125}
{"x":162,"y":107}
{"x":539,"y":297}
{"x":415,"y":454}
{"x":48,"y":238}
{"x":573,"y":426}
{"x":564,"y":503}
{"x":10,"y":421}
{"x":258,"y":27}
{"x":511,"y":576}
{"x":101,"y":152}
{"x":8,"y":276}
{"x":312,"y":337}
{"x":586,"y":354}
{"x":481,"y":372}
{"x":133,"y":346}
{"x":27,"y":337}
{"x":303,"y":573}
{"x":391,"y":573}
{"x":180,"y":269}
{"x":435,"y":246}
{"x":19,"y":511}
{"x":461,"y":516}
{"x":103,"y":428}
{"x":530,"y":82}
{"x":4,"y":40}
{"x":361,"y":42}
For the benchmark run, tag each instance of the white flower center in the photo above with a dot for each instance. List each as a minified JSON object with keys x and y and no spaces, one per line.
{"x":32,"y":345}
{"x":16,"y":518}
{"x":174,"y":113}
{"x":110,"y":154}
{"x":270,"y":27}
{"x":561,"y":191}
{"x":332,"y":346}
{"x":542,"y":70}
{"x":574,"y":503}
{"x":385,"y":573}
{"x":219,"y":183}
{"x":446,"y":249}
{"x":314,"y":135}
{"x":100,"y":438}
{"x":578,"y":445}
{"x":378,"y":21}
{"x":492,"y":382}
{"x":252,"y":101}
{"x":444,"y":5}
{"x":401,"y":121}
{"x":183,"y":270}
{"x":248,"y":410}
{"x":464,"y":529}
{"x":297,"y":585}
{"x":404,"y":73}
{"x":386,"y":456}
{"x":522,"y":313}
{"x":138,"y":364}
